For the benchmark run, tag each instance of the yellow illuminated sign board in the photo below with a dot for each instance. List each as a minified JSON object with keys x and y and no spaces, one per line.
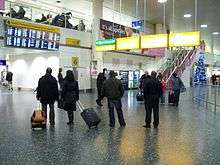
{"x":154,"y":41}
{"x":105,"y":48}
{"x":28,"y":25}
{"x":72,"y":42}
{"x":184,"y":39}
{"x":128,"y":43}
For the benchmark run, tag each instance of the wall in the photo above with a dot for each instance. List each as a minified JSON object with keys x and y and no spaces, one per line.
{"x":28,"y":68}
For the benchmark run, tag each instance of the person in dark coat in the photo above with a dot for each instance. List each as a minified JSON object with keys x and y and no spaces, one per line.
{"x":9,"y":78}
{"x":113,"y":90}
{"x":100,"y":80}
{"x":70,"y":94}
{"x":144,"y":77}
{"x":47,"y":93}
{"x":152,"y":92}
{"x":60,"y":77}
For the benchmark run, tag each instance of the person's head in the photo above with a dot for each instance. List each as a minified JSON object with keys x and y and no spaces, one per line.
{"x":60,"y":70}
{"x":104,"y":70}
{"x":111,"y":73}
{"x":146,"y":73}
{"x":174,"y":74}
{"x":70,"y":75}
{"x":49,"y":71}
{"x":153,"y":74}
{"x":81,"y":21}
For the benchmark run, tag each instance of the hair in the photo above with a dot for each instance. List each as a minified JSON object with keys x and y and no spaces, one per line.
{"x":153,"y":74}
{"x":112,"y":73}
{"x":174,"y":74}
{"x":104,"y":70}
{"x":60,"y":70}
{"x":70,"y":76}
{"x":49,"y":71}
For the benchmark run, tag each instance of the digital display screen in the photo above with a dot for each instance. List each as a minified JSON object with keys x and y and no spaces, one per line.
{"x":28,"y":38}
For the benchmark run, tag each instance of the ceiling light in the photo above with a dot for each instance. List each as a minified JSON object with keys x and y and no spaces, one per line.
{"x":187,"y":15}
{"x":204,"y":26}
{"x":162,"y":1}
{"x":215,"y":33}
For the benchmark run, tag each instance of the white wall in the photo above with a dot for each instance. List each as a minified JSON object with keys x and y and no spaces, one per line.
{"x":84,"y":55}
{"x":28,"y":68}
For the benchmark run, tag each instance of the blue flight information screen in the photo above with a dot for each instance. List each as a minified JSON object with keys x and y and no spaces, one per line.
{"x":29,"y":38}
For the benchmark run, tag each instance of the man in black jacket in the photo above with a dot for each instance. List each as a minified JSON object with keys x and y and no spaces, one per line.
{"x":152,"y":92}
{"x":100,"y":80}
{"x":113,"y":90}
{"x":47,"y":93}
{"x":144,"y":77}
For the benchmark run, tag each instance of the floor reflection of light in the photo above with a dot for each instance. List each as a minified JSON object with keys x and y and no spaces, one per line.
{"x":130,"y":98}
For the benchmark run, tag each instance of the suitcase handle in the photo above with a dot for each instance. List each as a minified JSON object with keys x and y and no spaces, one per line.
{"x":79,"y":104}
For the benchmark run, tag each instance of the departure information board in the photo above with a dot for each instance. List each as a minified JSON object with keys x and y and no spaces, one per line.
{"x":29,"y":35}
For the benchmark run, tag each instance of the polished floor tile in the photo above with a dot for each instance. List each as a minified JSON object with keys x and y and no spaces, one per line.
{"x":188,"y":135}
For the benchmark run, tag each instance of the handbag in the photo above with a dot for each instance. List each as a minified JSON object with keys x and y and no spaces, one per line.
{"x":140,"y":96}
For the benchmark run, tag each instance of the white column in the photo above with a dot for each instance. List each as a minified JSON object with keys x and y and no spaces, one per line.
{"x":97,"y":15}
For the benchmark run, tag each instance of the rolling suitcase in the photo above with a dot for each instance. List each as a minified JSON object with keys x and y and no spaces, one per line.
{"x":89,"y":115}
{"x":171,"y":98}
{"x":38,"y":119}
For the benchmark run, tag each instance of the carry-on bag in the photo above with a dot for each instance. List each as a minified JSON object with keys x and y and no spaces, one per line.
{"x":140,"y":96}
{"x":38,"y":119}
{"x":171,"y":98}
{"x":89,"y":115}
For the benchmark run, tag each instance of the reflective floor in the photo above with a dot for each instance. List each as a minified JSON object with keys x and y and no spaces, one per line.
{"x":186,"y":135}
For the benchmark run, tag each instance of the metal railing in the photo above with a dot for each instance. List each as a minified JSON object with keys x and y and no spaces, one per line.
{"x":207,"y":95}
{"x":34,"y":14}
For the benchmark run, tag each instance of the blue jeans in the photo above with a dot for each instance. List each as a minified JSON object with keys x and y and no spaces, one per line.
{"x":115,"y":104}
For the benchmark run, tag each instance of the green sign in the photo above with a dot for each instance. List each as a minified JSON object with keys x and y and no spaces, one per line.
{"x":105,"y":42}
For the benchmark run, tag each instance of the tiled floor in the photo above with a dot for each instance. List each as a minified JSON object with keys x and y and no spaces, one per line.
{"x":187,"y":135}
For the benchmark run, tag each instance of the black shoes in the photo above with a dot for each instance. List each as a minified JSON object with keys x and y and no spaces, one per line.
{"x":146,"y":126}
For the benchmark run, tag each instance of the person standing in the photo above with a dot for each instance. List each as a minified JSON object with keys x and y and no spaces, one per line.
{"x":47,"y":93}
{"x":100,"y":80}
{"x":70,"y":94}
{"x":144,"y":77}
{"x":60,"y":77}
{"x":177,"y":84}
{"x":113,"y":90}
{"x":9,"y":78}
{"x":152,"y":92}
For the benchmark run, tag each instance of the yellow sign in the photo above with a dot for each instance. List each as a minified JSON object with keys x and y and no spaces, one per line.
{"x":128,"y":43}
{"x":33,"y":26}
{"x":72,"y":42}
{"x":184,"y":39}
{"x":75,"y":61}
{"x":154,"y":41}
{"x":105,"y":48}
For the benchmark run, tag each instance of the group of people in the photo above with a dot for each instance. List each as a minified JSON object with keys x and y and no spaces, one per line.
{"x":19,"y":15}
{"x":48,"y":93}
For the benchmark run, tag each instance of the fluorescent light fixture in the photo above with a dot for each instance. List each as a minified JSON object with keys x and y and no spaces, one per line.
{"x":215,"y":33}
{"x":162,"y":1}
{"x":187,"y":15}
{"x":204,"y":26}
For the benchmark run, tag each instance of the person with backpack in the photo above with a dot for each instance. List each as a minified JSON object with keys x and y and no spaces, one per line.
{"x":70,"y":94}
{"x":177,"y":87}
{"x":9,"y":78}
{"x":113,"y":90}
{"x":100,"y":80}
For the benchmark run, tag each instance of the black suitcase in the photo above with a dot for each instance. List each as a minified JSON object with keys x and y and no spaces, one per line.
{"x":171,"y":98}
{"x":89,"y":115}
{"x":140,"y":96}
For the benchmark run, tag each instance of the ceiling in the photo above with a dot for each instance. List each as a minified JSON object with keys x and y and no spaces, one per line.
{"x":208,"y":13}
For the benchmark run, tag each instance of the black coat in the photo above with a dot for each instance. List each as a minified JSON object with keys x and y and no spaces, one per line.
{"x":70,"y":94}
{"x":142,"y":79}
{"x":112,"y":89}
{"x":152,"y":88}
{"x":47,"y":90}
{"x":9,"y":76}
{"x":100,"y":80}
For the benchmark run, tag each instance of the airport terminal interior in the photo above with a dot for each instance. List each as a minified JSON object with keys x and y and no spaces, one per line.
{"x":125,"y":82}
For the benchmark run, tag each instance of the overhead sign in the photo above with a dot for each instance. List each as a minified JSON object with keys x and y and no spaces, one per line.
{"x":72,"y":42}
{"x":184,"y":39}
{"x":128,"y":43}
{"x":154,"y":41}
{"x":28,"y":25}
{"x":105,"y":42}
{"x":138,"y":25}
{"x":75,"y":61}
{"x":2,"y":62}
{"x":105,"y":48}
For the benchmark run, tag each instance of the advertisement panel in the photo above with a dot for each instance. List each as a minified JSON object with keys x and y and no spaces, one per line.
{"x":184,"y":39}
{"x":113,"y":30}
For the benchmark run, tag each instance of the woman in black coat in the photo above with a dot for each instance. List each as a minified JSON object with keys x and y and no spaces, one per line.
{"x":70,"y":94}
